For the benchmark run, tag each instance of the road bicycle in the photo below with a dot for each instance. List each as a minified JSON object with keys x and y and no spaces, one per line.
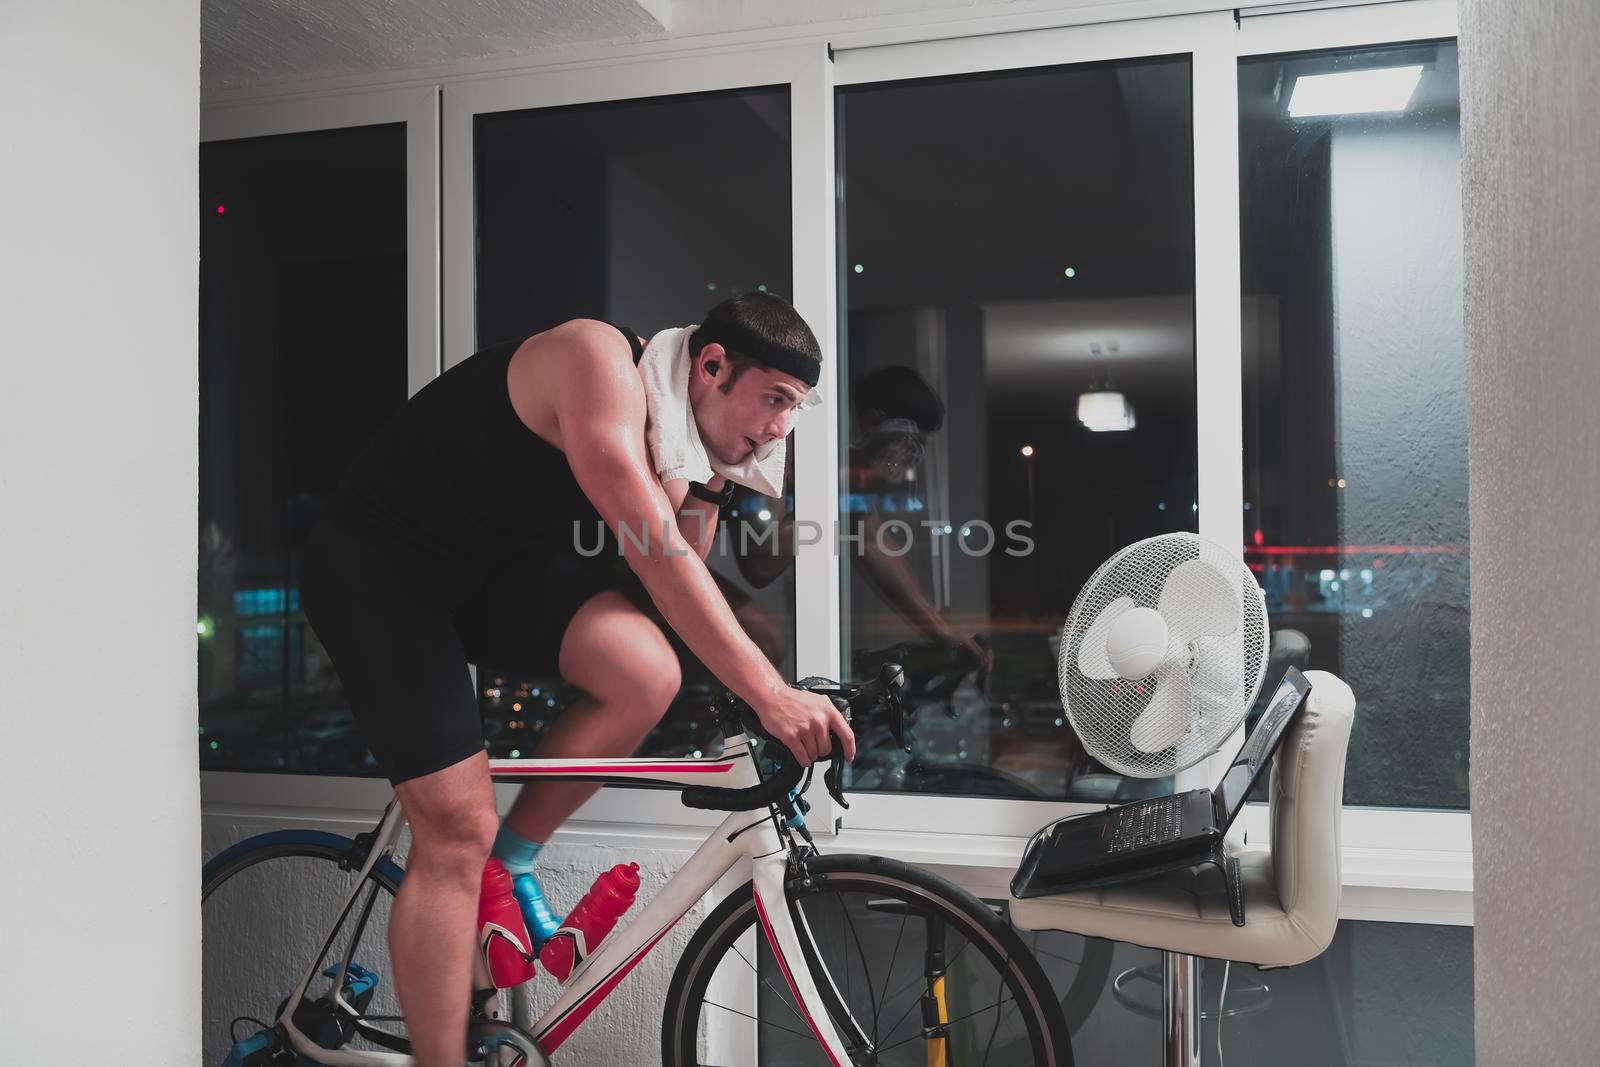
{"x":818,"y":959}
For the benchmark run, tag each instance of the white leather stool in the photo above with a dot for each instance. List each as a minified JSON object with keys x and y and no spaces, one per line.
{"x":1291,"y":885}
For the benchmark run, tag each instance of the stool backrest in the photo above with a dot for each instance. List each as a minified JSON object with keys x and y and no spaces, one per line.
{"x":1307,"y":800}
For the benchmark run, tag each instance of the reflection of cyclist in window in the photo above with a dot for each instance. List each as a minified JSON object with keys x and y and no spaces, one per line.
{"x":895,"y":412}
{"x":457,"y":516}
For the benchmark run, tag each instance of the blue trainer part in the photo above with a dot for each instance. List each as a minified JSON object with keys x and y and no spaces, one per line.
{"x":357,"y":980}
{"x":257,"y":1050}
{"x":514,"y":851}
{"x":799,"y":818}
{"x":542,"y":923}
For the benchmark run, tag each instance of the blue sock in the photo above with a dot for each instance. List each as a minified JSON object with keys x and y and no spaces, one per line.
{"x":515,"y":851}
{"x":518,"y":853}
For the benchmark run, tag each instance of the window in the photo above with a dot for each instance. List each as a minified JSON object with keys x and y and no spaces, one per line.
{"x":1017,"y":360}
{"x":1355,"y":426}
{"x":646,"y":213}
{"x":1381,"y":993}
{"x":303,"y":352}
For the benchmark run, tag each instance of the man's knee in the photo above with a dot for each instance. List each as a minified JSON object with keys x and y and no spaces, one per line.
{"x":452,"y":812}
{"x":462,"y":834}
{"x":646,"y":678}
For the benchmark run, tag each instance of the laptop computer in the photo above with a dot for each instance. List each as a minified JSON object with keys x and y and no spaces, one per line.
{"x":1163,"y":833}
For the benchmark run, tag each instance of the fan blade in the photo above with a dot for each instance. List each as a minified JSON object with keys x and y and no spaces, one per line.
{"x":1092,"y":658}
{"x":1197,"y":600}
{"x":1166,"y":718}
{"x":1218,"y":674}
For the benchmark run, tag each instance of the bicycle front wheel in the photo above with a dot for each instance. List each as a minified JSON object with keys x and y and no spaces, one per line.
{"x":917,"y":972}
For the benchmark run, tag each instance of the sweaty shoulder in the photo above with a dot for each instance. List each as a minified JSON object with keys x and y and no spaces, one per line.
{"x":580,"y":367}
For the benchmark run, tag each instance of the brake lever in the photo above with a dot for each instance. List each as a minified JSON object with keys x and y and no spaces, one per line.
{"x":891,"y":680}
{"x":834,"y":775}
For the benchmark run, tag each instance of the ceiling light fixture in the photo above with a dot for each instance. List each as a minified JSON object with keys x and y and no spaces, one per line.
{"x":1105,"y":410}
{"x":1354,"y":92}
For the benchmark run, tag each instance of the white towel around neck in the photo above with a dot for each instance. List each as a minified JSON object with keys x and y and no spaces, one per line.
{"x":674,"y":436}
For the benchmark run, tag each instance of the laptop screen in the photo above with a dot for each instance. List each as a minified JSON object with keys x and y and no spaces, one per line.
{"x":1256,"y":752}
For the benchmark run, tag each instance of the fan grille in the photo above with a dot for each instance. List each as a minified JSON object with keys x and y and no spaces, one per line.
{"x":1225,"y":671}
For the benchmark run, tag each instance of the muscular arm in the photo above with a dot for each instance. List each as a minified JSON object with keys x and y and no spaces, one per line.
{"x":600,"y":405}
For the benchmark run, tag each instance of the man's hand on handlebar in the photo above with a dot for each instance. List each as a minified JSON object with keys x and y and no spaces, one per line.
{"x":802,"y":722}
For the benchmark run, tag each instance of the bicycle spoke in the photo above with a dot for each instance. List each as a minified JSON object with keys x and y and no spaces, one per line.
{"x":952,"y":1022}
{"x":759,"y":1022}
{"x":866,"y":971}
{"x":949,"y":964}
{"x":1057,"y":956}
{"x":993,"y":1030}
{"x":887,"y":975}
{"x":768,"y":983}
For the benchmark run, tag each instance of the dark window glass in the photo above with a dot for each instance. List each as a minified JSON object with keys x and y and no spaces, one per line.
{"x":302,"y":355}
{"x":645,"y":213}
{"x":1380,"y":993}
{"x":1017,"y":301}
{"x":1355,"y":424}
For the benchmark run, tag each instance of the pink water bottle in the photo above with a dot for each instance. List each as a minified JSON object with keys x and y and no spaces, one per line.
{"x":502,"y":935}
{"x":581,"y":932}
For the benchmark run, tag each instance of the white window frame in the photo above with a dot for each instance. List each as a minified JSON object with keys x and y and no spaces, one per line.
{"x":1400,"y":864}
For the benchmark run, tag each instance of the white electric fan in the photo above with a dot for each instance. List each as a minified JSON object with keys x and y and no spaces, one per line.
{"x":1162,"y":654}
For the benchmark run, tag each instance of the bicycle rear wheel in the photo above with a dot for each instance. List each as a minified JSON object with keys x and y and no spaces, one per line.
{"x":267,"y":905}
{"x":925,"y":974}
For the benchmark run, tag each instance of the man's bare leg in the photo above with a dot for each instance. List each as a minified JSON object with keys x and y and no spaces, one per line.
{"x":431,"y":935}
{"x":629,"y":675}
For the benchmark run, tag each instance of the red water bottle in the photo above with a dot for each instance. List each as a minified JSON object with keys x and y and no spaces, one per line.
{"x":581,"y":932}
{"x":502,"y":935}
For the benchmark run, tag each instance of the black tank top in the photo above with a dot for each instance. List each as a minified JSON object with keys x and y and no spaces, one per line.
{"x":457,"y":485}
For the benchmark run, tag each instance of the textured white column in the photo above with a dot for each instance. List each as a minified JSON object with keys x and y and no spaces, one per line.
{"x":99,"y":784}
{"x":1531,"y":183}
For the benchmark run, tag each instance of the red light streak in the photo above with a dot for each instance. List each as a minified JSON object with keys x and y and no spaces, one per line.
{"x":1354,"y":550}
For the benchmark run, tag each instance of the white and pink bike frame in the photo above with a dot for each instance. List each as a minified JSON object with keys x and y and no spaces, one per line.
{"x":756,"y":834}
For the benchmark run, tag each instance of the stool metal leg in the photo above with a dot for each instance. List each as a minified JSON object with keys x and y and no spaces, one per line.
{"x":1180,"y":989}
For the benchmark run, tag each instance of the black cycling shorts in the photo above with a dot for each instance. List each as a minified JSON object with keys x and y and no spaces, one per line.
{"x":402,"y":654}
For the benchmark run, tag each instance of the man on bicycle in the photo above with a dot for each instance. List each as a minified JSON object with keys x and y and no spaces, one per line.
{"x":451,"y":541}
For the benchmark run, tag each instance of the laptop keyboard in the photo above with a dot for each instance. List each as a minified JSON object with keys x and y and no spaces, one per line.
{"x":1150,"y":822}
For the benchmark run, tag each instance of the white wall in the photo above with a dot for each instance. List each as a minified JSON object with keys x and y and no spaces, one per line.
{"x":1531,"y":178}
{"x":99,"y":793}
